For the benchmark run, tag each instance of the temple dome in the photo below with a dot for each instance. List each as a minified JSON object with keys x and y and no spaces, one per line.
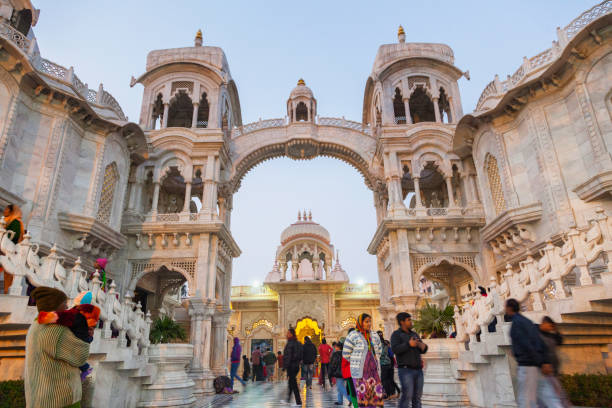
{"x":301,"y":90}
{"x":304,"y":227}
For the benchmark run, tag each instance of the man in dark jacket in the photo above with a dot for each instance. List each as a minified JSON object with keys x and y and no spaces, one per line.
{"x":310,"y":356}
{"x":292,"y":358}
{"x":532,"y":358}
{"x":269,"y":359}
{"x":408,"y":347}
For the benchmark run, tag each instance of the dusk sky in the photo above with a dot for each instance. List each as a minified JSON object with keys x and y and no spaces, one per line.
{"x":269,"y":46}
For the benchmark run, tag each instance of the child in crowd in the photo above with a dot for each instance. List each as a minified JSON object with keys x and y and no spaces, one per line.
{"x":80,"y":319}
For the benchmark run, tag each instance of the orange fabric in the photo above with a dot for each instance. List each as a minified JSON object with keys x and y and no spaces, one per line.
{"x":8,"y":280}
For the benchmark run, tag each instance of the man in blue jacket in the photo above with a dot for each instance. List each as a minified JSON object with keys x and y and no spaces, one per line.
{"x":530,"y":353}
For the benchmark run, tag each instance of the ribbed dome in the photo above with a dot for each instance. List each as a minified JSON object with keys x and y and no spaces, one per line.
{"x":304,"y":227}
{"x":301,"y":90}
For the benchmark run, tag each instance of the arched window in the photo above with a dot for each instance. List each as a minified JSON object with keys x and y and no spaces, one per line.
{"x":180,"y":113}
{"x":444,"y":105}
{"x":497,"y":192}
{"x":107,"y":195}
{"x":399,"y":110}
{"x":421,"y":106}
{"x":301,"y":112}
{"x":157,"y":112}
{"x":203,"y":112}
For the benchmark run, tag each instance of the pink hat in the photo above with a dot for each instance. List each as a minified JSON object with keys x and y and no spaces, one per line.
{"x":102,"y":262}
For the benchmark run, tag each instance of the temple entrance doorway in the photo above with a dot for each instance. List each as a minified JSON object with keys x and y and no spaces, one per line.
{"x":308,"y":327}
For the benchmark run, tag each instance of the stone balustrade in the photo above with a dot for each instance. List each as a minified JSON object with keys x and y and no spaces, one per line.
{"x":22,"y":261}
{"x":282,"y":122}
{"x":58,"y":72}
{"x":532,"y":65}
{"x":541,"y":280}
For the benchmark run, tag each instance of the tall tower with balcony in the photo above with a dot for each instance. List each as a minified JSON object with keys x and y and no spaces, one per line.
{"x":178,"y":214}
{"x":430,"y":213}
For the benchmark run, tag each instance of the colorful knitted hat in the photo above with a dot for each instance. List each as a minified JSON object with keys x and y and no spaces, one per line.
{"x":83,"y":298}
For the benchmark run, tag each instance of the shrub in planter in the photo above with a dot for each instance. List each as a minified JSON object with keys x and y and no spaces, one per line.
{"x":166,"y":330}
{"x":588,"y":390}
{"x":434,"y":321}
{"x":12,"y":394}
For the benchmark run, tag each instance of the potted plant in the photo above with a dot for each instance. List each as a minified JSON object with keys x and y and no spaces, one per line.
{"x":434,"y":321}
{"x":166,"y":330}
{"x":170,"y":354}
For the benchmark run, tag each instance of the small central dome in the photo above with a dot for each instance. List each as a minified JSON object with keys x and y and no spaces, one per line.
{"x":301,"y":90}
{"x":304,"y":227}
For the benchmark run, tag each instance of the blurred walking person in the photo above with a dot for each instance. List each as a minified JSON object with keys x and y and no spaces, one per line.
{"x":325,"y":352}
{"x":553,"y":339}
{"x":533,"y":359}
{"x":292,"y":358}
{"x":235,"y":361}
{"x":308,"y":360}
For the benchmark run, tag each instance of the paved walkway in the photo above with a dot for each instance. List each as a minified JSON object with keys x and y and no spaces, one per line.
{"x":269,"y":395}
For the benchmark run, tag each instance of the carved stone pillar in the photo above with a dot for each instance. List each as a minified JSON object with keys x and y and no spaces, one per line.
{"x":219,"y":343}
{"x":417,"y":192}
{"x":200,"y":335}
{"x":407,"y":110}
{"x":437,"y":110}
{"x":194,"y":118}
{"x":449,"y":189}
{"x":155,"y":197}
{"x":165,"y":117}
{"x":187,"y":196}
{"x":209,"y":191}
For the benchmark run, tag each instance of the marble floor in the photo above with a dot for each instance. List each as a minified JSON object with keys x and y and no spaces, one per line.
{"x":269,"y":395}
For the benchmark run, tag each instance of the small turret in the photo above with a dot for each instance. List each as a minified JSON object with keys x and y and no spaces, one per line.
{"x":401,"y":35}
{"x":198,"y":39}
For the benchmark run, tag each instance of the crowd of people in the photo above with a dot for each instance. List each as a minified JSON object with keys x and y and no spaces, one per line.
{"x":362,"y":366}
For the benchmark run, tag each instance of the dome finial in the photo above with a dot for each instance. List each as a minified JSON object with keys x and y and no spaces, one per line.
{"x":309,"y":215}
{"x":401,"y":35}
{"x":198,"y":38}
{"x":299,"y":215}
{"x":301,"y":82}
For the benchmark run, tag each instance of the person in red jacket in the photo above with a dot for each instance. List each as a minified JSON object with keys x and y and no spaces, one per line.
{"x":325,"y":352}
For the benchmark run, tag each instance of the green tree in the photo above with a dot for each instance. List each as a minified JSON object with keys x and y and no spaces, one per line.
{"x":433,"y":320}
{"x":166,"y":330}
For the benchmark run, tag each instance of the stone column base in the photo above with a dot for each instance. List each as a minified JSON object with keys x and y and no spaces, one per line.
{"x":203,"y":380}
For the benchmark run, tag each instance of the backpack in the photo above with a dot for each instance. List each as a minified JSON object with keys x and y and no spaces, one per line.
{"x":384,"y":356}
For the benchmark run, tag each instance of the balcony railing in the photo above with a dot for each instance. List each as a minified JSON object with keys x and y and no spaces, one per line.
{"x":437,"y":212}
{"x":399,"y":120}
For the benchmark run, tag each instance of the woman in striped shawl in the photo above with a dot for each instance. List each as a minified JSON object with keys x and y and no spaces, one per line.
{"x":362,"y":350}
{"x":53,"y":357}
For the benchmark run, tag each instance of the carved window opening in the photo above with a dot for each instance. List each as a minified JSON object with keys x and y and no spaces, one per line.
{"x":495,"y":185}
{"x":195,"y":204}
{"x":172,"y":192}
{"x":107,"y":195}
{"x":180,"y":113}
{"x":301,"y":112}
{"x":203,"y":110}
{"x":399,"y":111}
{"x":157,"y":112}
{"x":225,"y":120}
{"x":421,"y":106}
{"x":444,"y":105}
{"x":22,"y":20}
{"x":434,"y":193}
{"x":148,"y":191}
{"x":408,"y":193}
{"x":458,"y":191}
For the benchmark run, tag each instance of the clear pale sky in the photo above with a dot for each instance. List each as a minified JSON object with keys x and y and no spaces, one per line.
{"x":269,"y":45}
